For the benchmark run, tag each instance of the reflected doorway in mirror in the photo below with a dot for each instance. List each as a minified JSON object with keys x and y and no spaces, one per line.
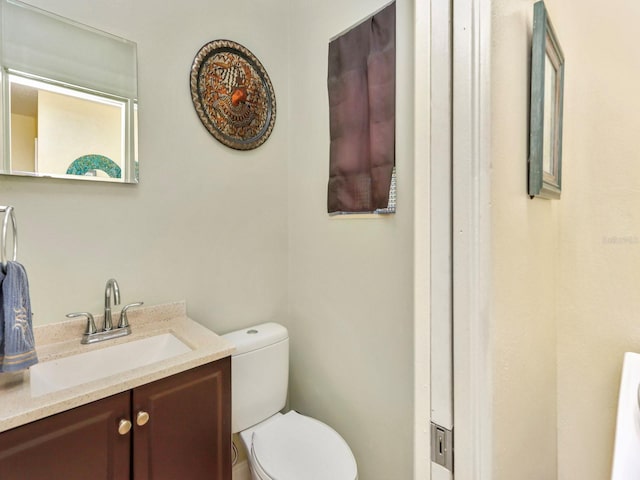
{"x":52,"y":127}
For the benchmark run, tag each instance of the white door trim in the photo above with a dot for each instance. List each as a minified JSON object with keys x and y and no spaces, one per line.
{"x":471,"y":239}
{"x":472,"y":377}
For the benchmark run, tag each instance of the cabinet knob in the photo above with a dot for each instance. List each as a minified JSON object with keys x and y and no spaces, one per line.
{"x":142,"y":418}
{"x":124,"y":426}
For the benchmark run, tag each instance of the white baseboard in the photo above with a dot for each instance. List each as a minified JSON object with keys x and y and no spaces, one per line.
{"x":241,"y":471}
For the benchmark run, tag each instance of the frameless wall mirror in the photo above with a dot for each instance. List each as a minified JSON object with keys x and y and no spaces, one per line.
{"x":69,"y":98}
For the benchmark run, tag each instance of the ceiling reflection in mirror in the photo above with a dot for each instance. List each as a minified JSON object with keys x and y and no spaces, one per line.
{"x":69,"y":99}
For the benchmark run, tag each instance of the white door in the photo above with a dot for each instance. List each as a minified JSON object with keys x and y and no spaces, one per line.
{"x":441,"y":311}
{"x":433,"y":254}
{"x":433,"y":243}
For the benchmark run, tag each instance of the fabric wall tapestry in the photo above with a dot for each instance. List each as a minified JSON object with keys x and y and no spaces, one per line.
{"x":361,"y":85}
{"x":233,"y":95}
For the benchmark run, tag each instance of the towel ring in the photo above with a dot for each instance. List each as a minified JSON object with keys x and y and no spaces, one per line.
{"x":8,"y":213}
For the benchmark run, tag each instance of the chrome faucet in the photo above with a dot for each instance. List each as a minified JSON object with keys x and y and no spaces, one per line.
{"x":112,"y":286}
{"x":91,"y":334}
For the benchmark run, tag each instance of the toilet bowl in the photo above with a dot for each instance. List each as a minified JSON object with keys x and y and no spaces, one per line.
{"x":279,"y":446}
{"x":294,"y":446}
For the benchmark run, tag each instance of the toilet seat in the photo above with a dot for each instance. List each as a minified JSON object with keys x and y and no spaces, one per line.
{"x":295,"y":447}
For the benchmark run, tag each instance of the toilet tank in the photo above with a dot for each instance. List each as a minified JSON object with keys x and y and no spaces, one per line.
{"x":259,"y":373}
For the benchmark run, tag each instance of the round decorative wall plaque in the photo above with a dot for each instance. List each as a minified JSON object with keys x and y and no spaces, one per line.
{"x":233,"y":95}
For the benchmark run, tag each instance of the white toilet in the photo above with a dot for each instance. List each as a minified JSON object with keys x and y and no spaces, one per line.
{"x":279,"y":447}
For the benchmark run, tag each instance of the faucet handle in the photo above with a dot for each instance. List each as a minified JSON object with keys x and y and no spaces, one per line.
{"x":91,"y":324}
{"x":124,"y":321}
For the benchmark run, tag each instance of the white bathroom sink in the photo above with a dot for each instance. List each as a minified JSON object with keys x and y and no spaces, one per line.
{"x":85,"y":367}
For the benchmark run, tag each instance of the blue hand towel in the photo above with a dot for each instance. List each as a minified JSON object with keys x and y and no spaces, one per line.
{"x":17,"y":345}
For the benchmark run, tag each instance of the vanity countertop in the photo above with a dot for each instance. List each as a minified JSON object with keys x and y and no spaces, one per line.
{"x":18,"y":407}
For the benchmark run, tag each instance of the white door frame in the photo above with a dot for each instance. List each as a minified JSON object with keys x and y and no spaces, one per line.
{"x":472,"y":379}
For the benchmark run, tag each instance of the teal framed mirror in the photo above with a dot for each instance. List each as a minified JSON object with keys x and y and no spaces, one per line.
{"x":547,"y":94}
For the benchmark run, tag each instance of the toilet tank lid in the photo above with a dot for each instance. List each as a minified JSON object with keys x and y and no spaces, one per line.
{"x":256,"y":337}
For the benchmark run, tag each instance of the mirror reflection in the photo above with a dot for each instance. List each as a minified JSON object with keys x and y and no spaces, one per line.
{"x":60,"y":131}
{"x":548,"y":161}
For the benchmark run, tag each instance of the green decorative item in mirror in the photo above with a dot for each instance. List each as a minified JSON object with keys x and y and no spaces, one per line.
{"x":87,"y":163}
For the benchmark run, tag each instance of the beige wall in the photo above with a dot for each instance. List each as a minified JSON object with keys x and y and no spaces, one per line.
{"x":207,"y":223}
{"x":600,"y":228}
{"x":566,"y":273}
{"x":525,"y":255}
{"x":70,"y":127}
{"x":350,"y":281}
{"x":23,"y":147}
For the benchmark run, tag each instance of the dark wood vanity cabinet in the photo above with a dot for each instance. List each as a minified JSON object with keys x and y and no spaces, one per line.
{"x":180,"y":429}
{"x":188,"y":435}
{"x":78,"y":444}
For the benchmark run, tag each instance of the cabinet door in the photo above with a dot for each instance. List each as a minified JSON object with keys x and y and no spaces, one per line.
{"x":78,"y":444}
{"x":188,"y":433}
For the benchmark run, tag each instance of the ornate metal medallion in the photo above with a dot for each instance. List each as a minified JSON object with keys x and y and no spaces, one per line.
{"x":233,"y":95}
